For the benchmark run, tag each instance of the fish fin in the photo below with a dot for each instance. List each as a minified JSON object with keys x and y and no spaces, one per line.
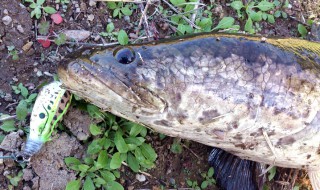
{"x":234,"y":173}
{"x":314,"y":176}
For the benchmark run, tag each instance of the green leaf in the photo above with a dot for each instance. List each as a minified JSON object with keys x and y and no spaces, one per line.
{"x":61,"y":39}
{"x":94,"y":111}
{"x":113,"y":185}
{"x":138,"y":154}
{"x":116,"y":173}
{"x":277,"y":14}
{"x":7,"y":125}
{"x":224,"y":23}
{"x":32,"y":97}
{"x":135,"y":129}
{"x":204,"y":184}
{"x":205,"y":24}
{"x":148,"y":152}
{"x":265,"y":6}
{"x":176,"y":148}
{"x":1,"y":138}
{"x":123,"y":37}
{"x":23,"y":90}
{"x":255,"y":16}
{"x":111,"y":5}
{"x":264,"y":16}
{"x":71,"y":161}
{"x":271,"y":19}
{"x":284,"y":14}
{"x":126,"y":11}
{"x":237,"y":5}
{"x":296,"y":187}
{"x":49,"y":10}
{"x":83,"y":167}
{"x":107,"y":144}
{"x":177,"y":2}
{"x":147,"y":164}
{"x":302,"y":30}
{"x":120,"y":143}
{"x":99,"y":181}
{"x":22,"y":110}
{"x":29,"y":1}
{"x":94,"y":147}
{"x":181,"y":28}
{"x":37,"y":12}
{"x":189,"y":182}
{"x":135,"y":140}
{"x":44,"y":27}
{"x":33,"y":5}
{"x":248,"y":26}
{"x":272,"y":173}
{"x":110,"y":27}
{"x":94,"y":129}
{"x":107,"y":175}
{"x":210,"y":172}
{"x":133,"y":163}
{"x":40,"y":2}
{"x":88,"y":184}
{"x":73,"y":185}
{"x":115,"y":13}
{"x":115,"y":161}
{"x":102,"y":159}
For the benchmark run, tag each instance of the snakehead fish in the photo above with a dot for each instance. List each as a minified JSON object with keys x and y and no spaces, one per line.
{"x":256,"y":98}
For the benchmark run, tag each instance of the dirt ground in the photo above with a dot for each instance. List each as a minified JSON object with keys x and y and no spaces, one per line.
{"x":37,"y":64}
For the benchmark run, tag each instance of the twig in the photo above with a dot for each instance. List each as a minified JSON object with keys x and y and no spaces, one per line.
{"x":193,"y":17}
{"x":191,"y":151}
{"x":185,"y":18}
{"x":143,"y":16}
{"x":8,"y":118}
{"x":91,"y":44}
{"x":12,"y":104}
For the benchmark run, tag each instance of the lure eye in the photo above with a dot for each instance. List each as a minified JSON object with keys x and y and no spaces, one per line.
{"x":124,"y":55}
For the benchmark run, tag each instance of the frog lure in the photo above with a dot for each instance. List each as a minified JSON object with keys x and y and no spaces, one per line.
{"x":50,"y":106}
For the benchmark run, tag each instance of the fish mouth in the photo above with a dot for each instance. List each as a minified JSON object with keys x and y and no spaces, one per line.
{"x":92,"y":82}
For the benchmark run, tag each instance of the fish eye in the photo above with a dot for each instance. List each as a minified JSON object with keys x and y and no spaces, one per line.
{"x":124,"y":55}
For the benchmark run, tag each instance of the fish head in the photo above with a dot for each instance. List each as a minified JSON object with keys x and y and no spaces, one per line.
{"x":116,"y":79}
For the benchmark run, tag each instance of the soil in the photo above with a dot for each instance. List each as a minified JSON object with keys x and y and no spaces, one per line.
{"x":37,"y":64}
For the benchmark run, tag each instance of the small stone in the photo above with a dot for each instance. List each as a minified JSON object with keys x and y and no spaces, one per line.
{"x":27,"y":174}
{"x":83,"y":6}
{"x":126,"y":18}
{"x":26,"y":188}
{"x":15,"y":79}
{"x":20,"y":132}
{"x":97,"y":38}
{"x":76,"y":5}
{"x":5,"y":11}
{"x":57,"y":6}
{"x":77,"y":35}
{"x":6,"y":20}
{"x":20,"y":29}
{"x":7,"y":97}
{"x":48,"y":74}
{"x":35,"y":63}
{"x":131,"y":187}
{"x":39,"y":74}
{"x":27,"y":46}
{"x":90,"y":17}
{"x":141,"y":177}
{"x":5,"y":173}
{"x":78,"y":10}
{"x":35,"y":182}
{"x":92,"y":3}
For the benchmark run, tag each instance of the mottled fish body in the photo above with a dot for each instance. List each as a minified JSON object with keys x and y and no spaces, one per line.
{"x":256,"y":98}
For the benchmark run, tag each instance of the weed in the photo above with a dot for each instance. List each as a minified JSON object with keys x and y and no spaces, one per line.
{"x":121,"y":36}
{"x":120,"y":9}
{"x":257,"y":11}
{"x":25,"y":104}
{"x":16,"y":179}
{"x":13,"y":52}
{"x":115,"y":141}
{"x":208,"y":180}
{"x":39,"y":9}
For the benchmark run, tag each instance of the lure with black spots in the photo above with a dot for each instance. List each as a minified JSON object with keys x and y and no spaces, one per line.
{"x":50,"y":106}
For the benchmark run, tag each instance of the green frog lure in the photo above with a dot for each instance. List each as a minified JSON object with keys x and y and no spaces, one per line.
{"x":50,"y":106}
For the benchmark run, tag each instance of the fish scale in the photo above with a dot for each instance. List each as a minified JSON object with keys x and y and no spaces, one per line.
{"x":258,"y":99}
